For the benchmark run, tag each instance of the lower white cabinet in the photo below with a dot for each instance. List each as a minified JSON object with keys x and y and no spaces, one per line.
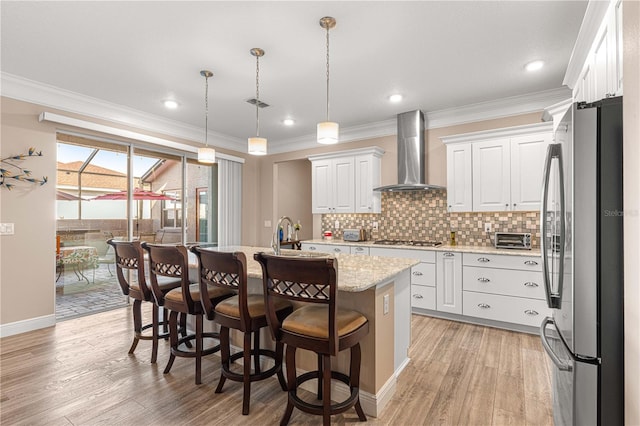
{"x":423,"y":297}
{"x":504,"y":288}
{"x":449,"y":282}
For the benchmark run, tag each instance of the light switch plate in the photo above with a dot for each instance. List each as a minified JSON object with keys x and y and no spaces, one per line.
{"x":6,"y":229}
{"x":267,"y":224}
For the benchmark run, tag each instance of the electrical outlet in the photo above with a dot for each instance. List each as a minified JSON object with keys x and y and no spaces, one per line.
{"x":385,"y":304}
{"x":487,"y":227}
{"x":337,"y":224}
{"x":374,"y":225}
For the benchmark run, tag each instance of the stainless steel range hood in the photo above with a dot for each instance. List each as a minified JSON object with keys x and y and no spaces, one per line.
{"x":411,"y":154}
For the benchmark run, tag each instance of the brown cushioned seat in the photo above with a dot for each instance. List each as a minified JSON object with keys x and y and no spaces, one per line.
{"x":244,"y":312}
{"x":313,"y":321}
{"x":320,"y":326}
{"x":169,"y":263}
{"x":255,"y":303}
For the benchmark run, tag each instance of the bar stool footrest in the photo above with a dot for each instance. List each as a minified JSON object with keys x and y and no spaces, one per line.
{"x":337,"y":408}
{"x":192,"y":353}
{"x":239,"y":377}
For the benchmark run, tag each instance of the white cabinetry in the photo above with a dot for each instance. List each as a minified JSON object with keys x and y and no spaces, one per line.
{"x":449,"y":282}
{"x":327,"y":248}
{"x":595,"y":69}
{"x":504,"y":288}
{"x":497,"y":170}
{"x":459,"y":177}
{"x":423,"y":275}
{"x":343,"y":182}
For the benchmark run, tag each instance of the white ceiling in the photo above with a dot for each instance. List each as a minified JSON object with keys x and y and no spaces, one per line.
{"x":438,"y":54}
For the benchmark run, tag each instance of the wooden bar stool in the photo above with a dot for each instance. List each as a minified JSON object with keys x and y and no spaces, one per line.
{"x":320,"y":326}
{"x":130,"y":257}
{"x":172,"y":261}
{"x":244,"y":312}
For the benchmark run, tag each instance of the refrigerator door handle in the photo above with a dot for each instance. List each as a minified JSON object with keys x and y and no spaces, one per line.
{"x":553,"y":299}
{"x":547,"y":347}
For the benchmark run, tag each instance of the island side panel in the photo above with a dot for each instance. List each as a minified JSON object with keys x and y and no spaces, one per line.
{"x":402,"y":323}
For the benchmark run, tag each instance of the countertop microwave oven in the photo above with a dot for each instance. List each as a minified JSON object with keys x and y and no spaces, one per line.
{"x":513,"y":240}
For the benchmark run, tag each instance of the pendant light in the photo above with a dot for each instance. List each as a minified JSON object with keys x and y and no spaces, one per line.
{"x":257,"y":145}
{"x":328,"y":130}
{"x":206,"y":155}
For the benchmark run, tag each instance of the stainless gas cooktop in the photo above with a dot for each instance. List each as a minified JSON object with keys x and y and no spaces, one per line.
{"x":408,"y":243}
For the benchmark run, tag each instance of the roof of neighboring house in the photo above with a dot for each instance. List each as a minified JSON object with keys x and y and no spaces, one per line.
{"x":92,"y":176}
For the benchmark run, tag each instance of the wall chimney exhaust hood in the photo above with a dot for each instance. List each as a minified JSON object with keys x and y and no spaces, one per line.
{"x":411,"y":155}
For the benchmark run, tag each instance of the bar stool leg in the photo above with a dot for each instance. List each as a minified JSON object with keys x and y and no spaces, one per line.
{"x":173,"y":339}
{"x":326,"y":382}
{"x":198,"y":349}
{"x":137,"y":324}
{"x":320,"y":374}
{"x":155,"y":334}
{"x":247,"y":371}
{"x":354,"y":374}
{"x":225,"y":353}
{"x":256,"y":351}
{"x":279,"y":350}
{"x":291,"y":383}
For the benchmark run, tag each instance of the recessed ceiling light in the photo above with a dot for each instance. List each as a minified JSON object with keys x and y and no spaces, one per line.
{"x":288,"y":122}
{"x":395,"y":98}
{"x":170,"y":104}
{"x":534,"y":66}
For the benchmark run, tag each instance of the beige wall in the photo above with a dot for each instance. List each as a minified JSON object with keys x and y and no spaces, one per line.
{"x":292,"y":194}
{"x":631,"y":166}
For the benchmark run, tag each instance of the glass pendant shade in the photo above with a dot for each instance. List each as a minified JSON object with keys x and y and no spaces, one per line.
{"x":328,"y":132}
{"x":206,"y":155}
{"x":257,"y":146}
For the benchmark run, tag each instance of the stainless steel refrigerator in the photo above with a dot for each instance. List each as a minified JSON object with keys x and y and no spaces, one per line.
{"x":582,"y":254}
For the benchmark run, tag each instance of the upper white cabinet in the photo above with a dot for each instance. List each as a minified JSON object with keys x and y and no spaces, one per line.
{"x":343,"y":182}
{"x":595,"y":69}
{"x":497,"y":170}
{"x":459,"y":177}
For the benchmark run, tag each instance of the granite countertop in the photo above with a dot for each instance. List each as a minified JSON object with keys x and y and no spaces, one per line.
{"x":355,"y":273}
{"x":445,"y":247}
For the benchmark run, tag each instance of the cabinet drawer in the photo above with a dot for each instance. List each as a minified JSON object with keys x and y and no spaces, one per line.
{"x":424,"y":274}
{"x":526,"y":263}
{"x":423,"y":297}
{"x":508,"y":282}
{"x":511,"y":309}
{"x":422,"y":255}
{"x":327,"y":248}
{"x":360,"y":250}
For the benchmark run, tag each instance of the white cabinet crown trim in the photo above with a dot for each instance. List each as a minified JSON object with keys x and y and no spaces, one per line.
{"x":375,"y":150}
{"x":498,"y":133}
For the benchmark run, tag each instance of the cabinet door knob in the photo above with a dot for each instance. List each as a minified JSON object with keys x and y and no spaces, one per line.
{"x":483,"y":260}
{"x":530,"y":284}
{"x":417,"y":273}
{"x":483,"y":306}
{"x":530,"y":262}
{"x":531,"y":312}
{"x":418,"y":296}
{"x":447,"y":254}
{"x":484,"y":280}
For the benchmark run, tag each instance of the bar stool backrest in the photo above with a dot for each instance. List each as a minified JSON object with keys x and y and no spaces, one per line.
{"x":170,"y":261}
{"x":310,"y":280}
{"x":129,"y":256}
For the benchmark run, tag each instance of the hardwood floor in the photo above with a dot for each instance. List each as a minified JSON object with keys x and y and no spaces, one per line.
{"x":79,"y":373}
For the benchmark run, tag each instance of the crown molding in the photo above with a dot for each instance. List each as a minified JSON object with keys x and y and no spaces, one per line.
{"x":31,"y":91}
{"x":505,"y":132}
{"x":591,"y":23}
{"x":63,"y":100}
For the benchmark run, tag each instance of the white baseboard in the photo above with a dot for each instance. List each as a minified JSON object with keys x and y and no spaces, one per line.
{"x":27,"y":325}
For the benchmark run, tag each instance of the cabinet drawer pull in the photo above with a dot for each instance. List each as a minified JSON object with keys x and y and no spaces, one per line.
{"x":483,"y":306}
{"x":531,"y":312}
{"x":417,"y":273}
{"x":483,"y":260}
{"x":359,"y":249}
{"x":530,"y":284}
{"x":447,"y":254}
{"x":337,"y":250}
{"x":484,"y":280}
{"x":312,"y":248}
{"x":418,"y":296}
{"x":531,"y":262}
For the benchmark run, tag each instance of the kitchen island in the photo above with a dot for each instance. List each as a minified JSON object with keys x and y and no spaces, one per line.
{"x":379,"y":288}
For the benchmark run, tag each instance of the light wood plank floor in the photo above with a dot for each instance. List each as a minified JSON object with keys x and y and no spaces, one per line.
{"x":79,"y":373}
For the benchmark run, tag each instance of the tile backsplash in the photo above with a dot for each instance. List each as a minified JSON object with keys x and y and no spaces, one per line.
{"x":422,"y":215}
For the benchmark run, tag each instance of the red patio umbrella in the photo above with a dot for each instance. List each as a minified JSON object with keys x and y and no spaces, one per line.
{"x":138,"y":194}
